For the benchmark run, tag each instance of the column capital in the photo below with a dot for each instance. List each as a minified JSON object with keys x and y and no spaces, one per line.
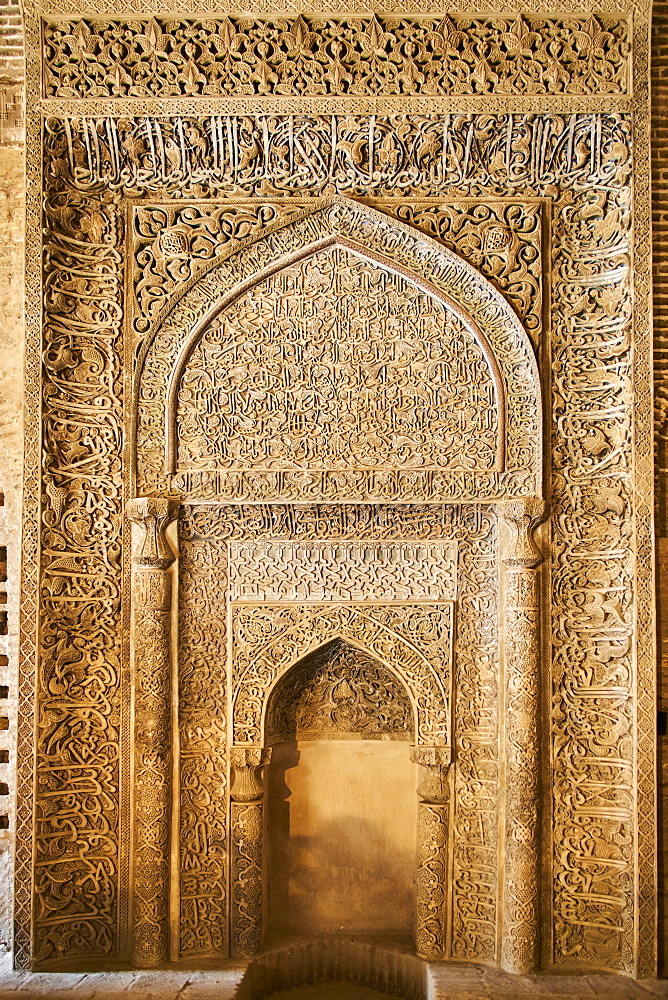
{"x":436,"y":761}
{"x":153,"y":515}
{"x":247,"y":763}
{"x":522,"y":517}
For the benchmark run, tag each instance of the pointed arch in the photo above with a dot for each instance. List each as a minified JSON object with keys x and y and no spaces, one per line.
{"x":428,"y":683}
{"x":333,"y":667}
{"x":397,"y":249}
{"x":298,"y":256}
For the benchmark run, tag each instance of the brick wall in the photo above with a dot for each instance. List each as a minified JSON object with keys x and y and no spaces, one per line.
{"x":11,"y":74}
{"x":12,"y":187}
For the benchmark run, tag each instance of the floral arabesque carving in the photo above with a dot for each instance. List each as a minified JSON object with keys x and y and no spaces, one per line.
{"x":500,"y":239}
{"x":413,"y":640}
{"x":339,"y":692}
{"x":79,"y":692}
{"x":309,"y":54}
{"x":592,"y":574}
{"x":336,"y":570}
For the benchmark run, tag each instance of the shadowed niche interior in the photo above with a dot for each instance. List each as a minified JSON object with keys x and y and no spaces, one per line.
{"x":341,"y":805}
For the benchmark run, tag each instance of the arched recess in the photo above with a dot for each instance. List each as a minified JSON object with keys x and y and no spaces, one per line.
{"x":383,"y":633}
{"x":340,"y":725}
{"x":407,"y":256}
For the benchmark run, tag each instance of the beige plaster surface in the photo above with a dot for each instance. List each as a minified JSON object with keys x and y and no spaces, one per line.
{"x":341,"y":830}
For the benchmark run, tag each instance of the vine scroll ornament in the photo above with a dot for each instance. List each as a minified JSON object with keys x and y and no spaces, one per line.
{"x":152,"y":621}
{"x":521,"y":557}
{"x":376,"y":55}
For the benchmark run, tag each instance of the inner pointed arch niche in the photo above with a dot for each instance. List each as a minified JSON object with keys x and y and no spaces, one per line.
{"x":341,"y":805}
{"x":337,"y":362}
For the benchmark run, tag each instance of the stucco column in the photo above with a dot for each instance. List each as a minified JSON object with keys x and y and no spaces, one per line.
{"x":521,"y":618}
{"x":433,"y":809}
{"x":152,"y":638}
{"x":247,"y":795}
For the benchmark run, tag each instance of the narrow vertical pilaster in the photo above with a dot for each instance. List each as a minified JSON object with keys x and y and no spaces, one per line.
{"x":152,"y":637}
{"x":521,"y":912}
{"x":246,"y":842}
{"x":433,"y":809}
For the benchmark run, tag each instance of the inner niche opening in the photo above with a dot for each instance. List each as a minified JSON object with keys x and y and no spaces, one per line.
{"x":341,"y":799}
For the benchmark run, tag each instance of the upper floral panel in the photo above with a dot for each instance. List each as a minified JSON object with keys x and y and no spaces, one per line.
{"x":359,"y":56}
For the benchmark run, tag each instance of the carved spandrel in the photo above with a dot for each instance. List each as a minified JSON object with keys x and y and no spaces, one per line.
{"x":267,"y":640}
{"x":501,"y":239}
{"x":337,"y":570}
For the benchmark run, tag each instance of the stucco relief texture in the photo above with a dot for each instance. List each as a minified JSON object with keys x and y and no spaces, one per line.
{"x":582,"y":162}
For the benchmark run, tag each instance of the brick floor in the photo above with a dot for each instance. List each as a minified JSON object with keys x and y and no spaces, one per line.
{"x":448,"y":982}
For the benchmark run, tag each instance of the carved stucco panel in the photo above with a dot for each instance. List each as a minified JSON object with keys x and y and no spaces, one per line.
{"x":506,"y":153}
{"x":339,"y":692}
{"x":172,"y":242}
{"x":204,"y":849}
{"x":206,"y":532}
{"x":592,"y":576}
{"x":414,"y":640}
{"x":337,"y":363}
{"x":373,"y":55}
{"x":526,"y":154}
{"x":317,"y":571}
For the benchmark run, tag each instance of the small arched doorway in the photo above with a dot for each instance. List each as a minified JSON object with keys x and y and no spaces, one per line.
{"x":341,"y":804}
